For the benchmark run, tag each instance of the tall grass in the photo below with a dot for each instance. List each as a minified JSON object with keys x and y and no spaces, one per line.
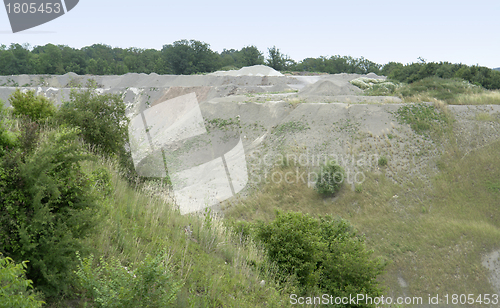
{"x":216,"y":269}
{"x":484,"y":98}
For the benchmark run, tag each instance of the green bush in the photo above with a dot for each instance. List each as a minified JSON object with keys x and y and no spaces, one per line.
{"x":382,"y":161}
{"x":8,"y":137}
{"x":322,"y":254}
{"x":409,"y":73}
{"x":102,"y":122}
{"x":109,"y":285}
{"x":442,"y":89}
{"x":35,"y":107}
{"x":46,"y":206}
{"x":331,"y":179}
{"x":101,"y":118}
{"x":14,"y":287}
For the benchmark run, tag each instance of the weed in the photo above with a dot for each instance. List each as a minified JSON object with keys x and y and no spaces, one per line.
{"x":382,"y":161}
{"x":358,"y":188}
{"x":493,"y":186}
{"x":224,"y":124}
{"x":291,"y":127}
{"x":487,"y":117}
{"x":347,"y":125}
{"x":424,"y":119}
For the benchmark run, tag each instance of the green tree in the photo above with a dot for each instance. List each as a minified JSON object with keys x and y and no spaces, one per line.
{"x":7,"y":62}
{"x":50,"y":59}
{"x":389,"y":67}
{"x":92,"y":67}
{"x":250,"y":55}
{"x":73,"y":60}
{"x":277,"y":60}
{"x":189,"y":57}
{"x":101,"y":118}
{"x":229,"y":58}
{"x":15,"y":60}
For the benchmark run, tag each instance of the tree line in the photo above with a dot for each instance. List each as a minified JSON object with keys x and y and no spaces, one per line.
{"x":193,"y":57}
{"x":181,"y":57}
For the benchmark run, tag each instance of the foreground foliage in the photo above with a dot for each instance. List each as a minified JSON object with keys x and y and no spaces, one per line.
{"x":57,"y":197}
{"x":15,"y":291}
{"x":46,"y":204}
{"x":109,"y":284}
{"x":325,"y":254}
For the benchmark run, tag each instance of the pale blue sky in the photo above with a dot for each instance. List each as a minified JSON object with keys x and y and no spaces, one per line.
{"x":381,"y":31}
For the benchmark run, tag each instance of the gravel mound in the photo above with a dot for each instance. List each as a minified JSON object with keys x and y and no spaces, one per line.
{"x":256,"y":70}
{"x":330,"y":87}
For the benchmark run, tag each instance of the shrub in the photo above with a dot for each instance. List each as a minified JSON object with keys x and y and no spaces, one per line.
{"x":8,"y":137}
{"x":15,"y":288}
{"x":35,"y":107}
{"x":443,"y":89}
{"x":382,"y":161}
{"x":324,"y":254}
{"x":108,"y":285}
{"x":347,"y":266}
{"x":102,"y":122}
{"x":331,"y":179}
{"x":46,"y":207}
{"x":101,"y":118}
{"x":409,"y":73}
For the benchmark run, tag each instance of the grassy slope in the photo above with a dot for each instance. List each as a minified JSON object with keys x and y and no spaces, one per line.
{"x":210,"y":261}
{"x":434,"y":236}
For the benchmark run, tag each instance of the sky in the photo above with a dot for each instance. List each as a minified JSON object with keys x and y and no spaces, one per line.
{"x":381,"y":31}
